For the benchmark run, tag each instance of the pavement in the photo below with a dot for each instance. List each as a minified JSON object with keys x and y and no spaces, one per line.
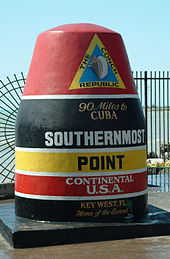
{"x":134,"y":248}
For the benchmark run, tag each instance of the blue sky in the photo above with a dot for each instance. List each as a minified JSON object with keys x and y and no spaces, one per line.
{"x":144,"y":26}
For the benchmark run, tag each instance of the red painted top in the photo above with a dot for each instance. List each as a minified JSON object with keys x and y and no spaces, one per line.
{"x":81,"y":27}
{"x":59,"y":52}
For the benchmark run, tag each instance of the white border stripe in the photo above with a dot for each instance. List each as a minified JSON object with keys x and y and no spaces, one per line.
{"x":81,"y":150}
{"x":121,"y":96}
{"x":79,"y":198}
{"x":71,"y":174}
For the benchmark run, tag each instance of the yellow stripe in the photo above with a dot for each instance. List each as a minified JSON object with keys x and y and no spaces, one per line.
{"x":68,"y":162}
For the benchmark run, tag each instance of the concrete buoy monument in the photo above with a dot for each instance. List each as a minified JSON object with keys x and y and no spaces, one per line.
{"x":80,"y":130}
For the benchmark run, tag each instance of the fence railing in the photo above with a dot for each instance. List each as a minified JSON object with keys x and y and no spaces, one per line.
{"x":154,"y":93}
{"x":10,"y":96}
{"x":153,"y":89}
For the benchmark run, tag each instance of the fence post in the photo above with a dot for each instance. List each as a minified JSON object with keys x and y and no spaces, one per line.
{"x":146,"y":105}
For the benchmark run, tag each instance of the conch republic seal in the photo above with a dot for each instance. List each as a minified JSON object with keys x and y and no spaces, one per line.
{"x":80,"y":130}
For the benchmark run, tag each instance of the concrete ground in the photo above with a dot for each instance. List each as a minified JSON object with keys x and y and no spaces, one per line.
{"x":138,"y":248}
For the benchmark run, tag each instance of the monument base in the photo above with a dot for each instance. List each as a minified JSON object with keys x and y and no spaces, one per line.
{"x":22,"y":233}
{"x":99,"y":211}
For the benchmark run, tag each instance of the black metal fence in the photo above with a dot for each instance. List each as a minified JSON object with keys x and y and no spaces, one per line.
{"x":154,"y":92}
{"x":153,"y":89}
{"x":10,"y":96}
